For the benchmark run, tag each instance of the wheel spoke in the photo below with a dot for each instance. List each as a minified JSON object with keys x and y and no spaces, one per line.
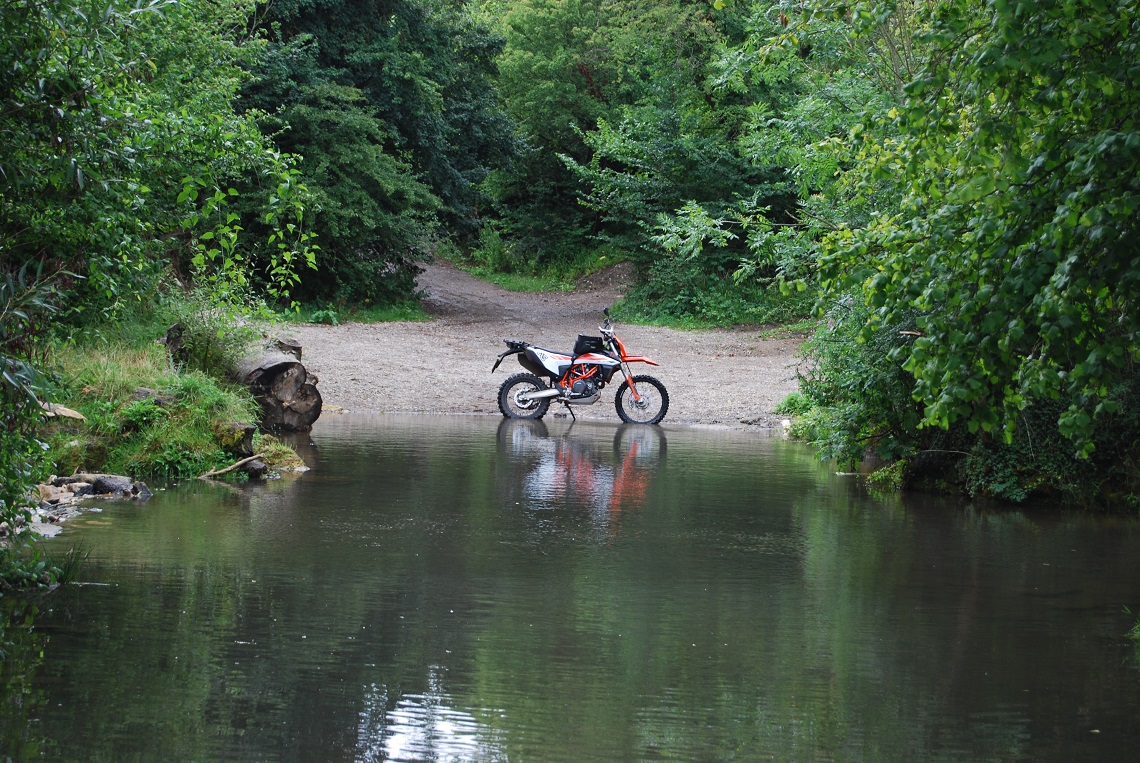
{"x":650,"y":405}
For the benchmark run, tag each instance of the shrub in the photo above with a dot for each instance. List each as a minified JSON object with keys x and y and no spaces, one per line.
{"x":864,"y":402}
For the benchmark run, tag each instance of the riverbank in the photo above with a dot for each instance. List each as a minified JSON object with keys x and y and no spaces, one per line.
{"x":727,"y":377}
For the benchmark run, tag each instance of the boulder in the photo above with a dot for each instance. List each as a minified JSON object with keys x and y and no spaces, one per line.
{"x":256,"y":469}
{"x":235,"y":438}
{"x":110,"y":483}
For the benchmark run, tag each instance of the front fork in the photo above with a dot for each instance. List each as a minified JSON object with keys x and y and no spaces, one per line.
{"x":629,"y":380}
{"x":625,"y":371}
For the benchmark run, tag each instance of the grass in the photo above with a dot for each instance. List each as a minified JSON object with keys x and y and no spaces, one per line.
{"x":336,"y":315}
{"x":143,"y":416}
{"x":792,"y":330}
{"x":521,"y":282}
{"x":728,"y":307}
{"x":165,"y":434}
{"x":494,"y":266}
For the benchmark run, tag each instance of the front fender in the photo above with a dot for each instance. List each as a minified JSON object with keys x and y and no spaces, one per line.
{"x":639,"y":359}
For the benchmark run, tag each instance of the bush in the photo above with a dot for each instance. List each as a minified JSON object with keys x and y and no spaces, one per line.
{"x":209,"y":334}
{"x":864,"y":404}
{"x":795,"y":404}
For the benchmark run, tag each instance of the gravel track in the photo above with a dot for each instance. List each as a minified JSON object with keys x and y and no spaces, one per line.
{"x":729,"y":377}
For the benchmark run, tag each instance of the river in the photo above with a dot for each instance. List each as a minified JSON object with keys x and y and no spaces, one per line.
{"x":449,"y":588}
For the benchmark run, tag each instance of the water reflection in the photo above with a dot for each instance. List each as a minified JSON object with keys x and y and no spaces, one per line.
{"x":461,"y":588}
{"x":423,"y":727}
{"x":21,"y":655}
{"x":576,"y":467}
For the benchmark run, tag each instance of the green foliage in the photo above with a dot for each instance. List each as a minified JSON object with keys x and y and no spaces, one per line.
{"x":889,"y":478}
{"x":390,"y":104}
{"x":570,"y":71}
{"x":499,"y":261}
{"x":861,"y":403}
{"x":1015,"y":239}
{"x":692,"y":281}
{"x":28,"y":568}
{"x":711,"y":302}
{"x":25,"y":311}
{"x":211,"y":333}
{"x":146,"y":417}
{"x":324,"y":316}
{"x":863,"y":397}
{"x":1133,"y":635}
{"x":795,"y":404}
{"x":336,"y":314}
{"x":373,"y":214}
{"x":121,"y":148}
{"x":166,"y":434}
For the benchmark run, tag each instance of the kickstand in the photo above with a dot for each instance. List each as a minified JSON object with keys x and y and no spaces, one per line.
{"x":571,"y":409}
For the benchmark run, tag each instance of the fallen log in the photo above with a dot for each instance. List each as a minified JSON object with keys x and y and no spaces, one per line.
{"x":286,"y":392}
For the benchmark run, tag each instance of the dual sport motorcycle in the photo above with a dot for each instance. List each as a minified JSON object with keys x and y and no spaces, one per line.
{"x":578,"y":378}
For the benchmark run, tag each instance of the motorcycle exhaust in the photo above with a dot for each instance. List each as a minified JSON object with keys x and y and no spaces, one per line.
{"x":541,"y":394}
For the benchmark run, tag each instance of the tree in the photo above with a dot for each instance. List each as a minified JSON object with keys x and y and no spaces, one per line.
{"x":120,"y":145}
{"x":580,"y":77}
{"x":1016,"y":240}
{"x":390,"y":102}
{"x":119,"y":148}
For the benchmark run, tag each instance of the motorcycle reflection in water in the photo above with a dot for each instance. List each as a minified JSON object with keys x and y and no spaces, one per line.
{"x":576,"y":467}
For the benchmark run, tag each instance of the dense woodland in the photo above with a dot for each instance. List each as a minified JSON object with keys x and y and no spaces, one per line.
{"x":943,"y":193}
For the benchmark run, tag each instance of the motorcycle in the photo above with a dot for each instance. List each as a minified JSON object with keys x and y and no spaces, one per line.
{"x":578,"y":378}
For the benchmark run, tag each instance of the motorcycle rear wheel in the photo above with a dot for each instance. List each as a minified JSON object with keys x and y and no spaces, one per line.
{"x":518,"y":385}
{"x":652,"y":406}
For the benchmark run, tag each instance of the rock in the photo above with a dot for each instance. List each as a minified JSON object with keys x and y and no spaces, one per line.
{"x":52,"y":493}
{"x":141,"y":491}
{"x":51,"y":409}
{"x":256,"y":468}
{"x":161,"y":399}
{"x":110,"y":483}
{"x":235,"y":438}
{"x":46,"y":529}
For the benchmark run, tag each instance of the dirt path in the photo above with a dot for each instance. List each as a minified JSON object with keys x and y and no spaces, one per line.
{"x":725,"y":377}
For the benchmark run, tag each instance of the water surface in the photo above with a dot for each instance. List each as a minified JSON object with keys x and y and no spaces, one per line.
{"x":465,"y":589}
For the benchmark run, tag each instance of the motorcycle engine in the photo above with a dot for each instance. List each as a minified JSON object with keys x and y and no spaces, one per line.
{"x":584,"y":388}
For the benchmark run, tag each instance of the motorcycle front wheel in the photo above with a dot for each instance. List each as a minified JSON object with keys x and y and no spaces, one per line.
{"x":650,"y":408}
{"x":513,"y":401}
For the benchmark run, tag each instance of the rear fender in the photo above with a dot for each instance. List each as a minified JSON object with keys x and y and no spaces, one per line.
{"x":506,"y":354}
{"x":516,"y":346}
